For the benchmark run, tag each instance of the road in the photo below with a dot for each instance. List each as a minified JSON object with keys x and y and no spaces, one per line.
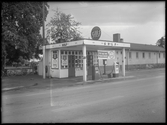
{"x":132,"y":100}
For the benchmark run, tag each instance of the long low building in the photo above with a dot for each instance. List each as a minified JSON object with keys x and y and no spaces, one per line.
{"x":139,"y":56}
{"x":66,"y":59}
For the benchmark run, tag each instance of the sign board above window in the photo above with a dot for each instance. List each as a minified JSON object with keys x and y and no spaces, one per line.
{"x":102,"y":54}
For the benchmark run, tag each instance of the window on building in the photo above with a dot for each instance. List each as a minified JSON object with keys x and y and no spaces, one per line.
{"x":121,"y":52}
{"x":164,"y":55}
{"x":137,"y":55}
{"x":149,"y":55}
{"x":143,"y":55}
{"x":159,"y":55}
{"x":130,"y":56}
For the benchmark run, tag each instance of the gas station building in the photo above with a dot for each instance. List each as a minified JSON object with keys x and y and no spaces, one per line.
{"x":77,"y":58}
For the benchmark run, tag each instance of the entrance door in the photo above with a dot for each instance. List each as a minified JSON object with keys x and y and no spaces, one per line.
{"x":89,"y":64}
{"x":71,"y":64}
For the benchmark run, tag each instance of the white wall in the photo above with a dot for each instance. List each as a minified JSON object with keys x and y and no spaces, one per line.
{"x":40,"y":69}
{"x":140,"y":60}
{"x":161,"y":59}
{"x":78,"y":72}
{"x":118,"y":57}
{"x":63,"y":73}
{"x":55,"y":73}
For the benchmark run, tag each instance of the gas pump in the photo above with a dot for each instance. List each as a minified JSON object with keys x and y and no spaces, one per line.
{"x":116,"y":69}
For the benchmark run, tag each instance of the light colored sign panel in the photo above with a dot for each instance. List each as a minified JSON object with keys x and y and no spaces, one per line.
{"x":102,"y":54}
{"x":65,"y":44}
{"x":64,"y":60}
{"x":55,"y":60}
{"x":101,"y":43}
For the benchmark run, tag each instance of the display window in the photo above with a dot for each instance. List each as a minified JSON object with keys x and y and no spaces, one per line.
{"x":78,"y":62}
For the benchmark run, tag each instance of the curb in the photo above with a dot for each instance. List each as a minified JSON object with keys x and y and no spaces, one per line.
{"x":105,"y":79}
{"x":78,"y":83}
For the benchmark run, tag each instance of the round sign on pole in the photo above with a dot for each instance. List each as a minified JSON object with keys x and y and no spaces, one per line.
{"x":96,"y":33}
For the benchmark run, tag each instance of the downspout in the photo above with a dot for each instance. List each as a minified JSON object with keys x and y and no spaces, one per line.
{"x":128,"y":59}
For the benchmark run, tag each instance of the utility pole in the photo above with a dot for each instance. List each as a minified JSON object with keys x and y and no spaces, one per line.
{"x":43,"y":12}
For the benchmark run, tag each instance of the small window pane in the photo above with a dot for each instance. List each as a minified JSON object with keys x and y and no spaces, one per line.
{"x":129,"y":54}
{"x":149,"y":55}
{"x":143,"y":55}
{"x":137,"y":55}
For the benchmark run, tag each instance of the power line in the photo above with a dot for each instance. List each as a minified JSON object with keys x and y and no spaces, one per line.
{"x":107,"y":34}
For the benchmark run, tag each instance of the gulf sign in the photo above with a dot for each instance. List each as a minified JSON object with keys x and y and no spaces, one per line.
{"x":102,"y":54}
{"x":96,"y":33}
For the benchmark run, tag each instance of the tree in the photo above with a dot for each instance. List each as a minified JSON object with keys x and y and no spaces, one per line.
{"x":63,"y":28}
{"x":161,"y":42}
{"x":21,"y":23}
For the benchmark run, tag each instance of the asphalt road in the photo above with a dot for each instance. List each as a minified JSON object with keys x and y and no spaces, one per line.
{"x":135,"y":100}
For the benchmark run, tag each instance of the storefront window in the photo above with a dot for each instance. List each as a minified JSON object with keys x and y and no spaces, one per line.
{"x":78,"y":61}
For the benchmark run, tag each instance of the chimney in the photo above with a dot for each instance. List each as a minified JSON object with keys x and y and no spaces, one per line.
{"x":121,"y":40}
{"x":116,"y":37}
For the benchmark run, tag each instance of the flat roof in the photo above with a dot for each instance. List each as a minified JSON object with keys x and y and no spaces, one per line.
{"x":141,"y":47}
{"x":90,"y":44}
{"x":103,"y":45}
{"x":145,"y":47}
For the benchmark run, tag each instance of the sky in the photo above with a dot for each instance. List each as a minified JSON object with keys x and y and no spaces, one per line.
{"x":137,"y":22}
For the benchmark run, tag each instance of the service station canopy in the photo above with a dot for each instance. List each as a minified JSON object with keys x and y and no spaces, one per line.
{"x":91,"y":45}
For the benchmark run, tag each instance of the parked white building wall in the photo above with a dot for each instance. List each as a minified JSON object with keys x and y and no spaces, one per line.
{"x":150,"y":57}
